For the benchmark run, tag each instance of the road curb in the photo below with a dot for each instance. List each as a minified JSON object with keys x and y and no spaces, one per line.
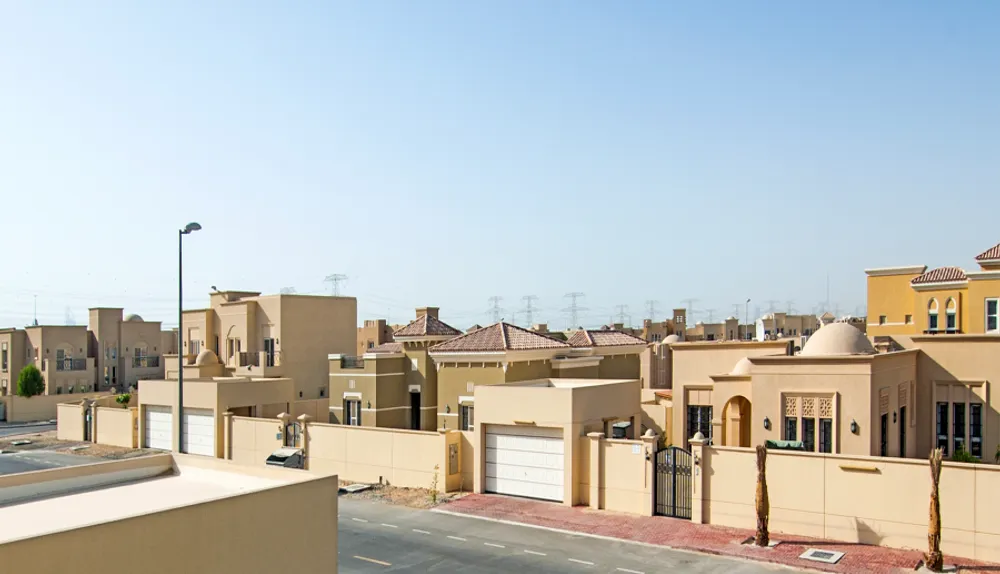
{"x":626,"y":541}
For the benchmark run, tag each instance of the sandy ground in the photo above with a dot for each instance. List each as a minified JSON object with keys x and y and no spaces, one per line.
{"x":412,"y":497}
{"x":47,"y":441}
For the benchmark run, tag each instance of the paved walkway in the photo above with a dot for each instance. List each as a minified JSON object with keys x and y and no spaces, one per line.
{"x":682,"y":534}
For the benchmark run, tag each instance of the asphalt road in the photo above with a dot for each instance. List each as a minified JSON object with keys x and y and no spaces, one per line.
{"x":376,"y":537}
{"x":40,"y":460}
{"x":10,"y":431}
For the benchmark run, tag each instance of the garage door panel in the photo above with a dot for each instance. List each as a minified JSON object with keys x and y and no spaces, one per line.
{"x":520,"y":458}
{"x":525,"y":461}
{"x":520,"y":488}
{"x":526,"y":474}
{"x":525,"y":443}
{"x":159,"y":428}
{"x":199,"y":432}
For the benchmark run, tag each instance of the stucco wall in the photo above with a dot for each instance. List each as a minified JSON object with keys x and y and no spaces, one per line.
{"x":117,"y":426}
{"x":619,"y":367}
{"x":39,"y":407}
{"x":855,"y":499}
{"x":621,"y":472}
{"x":253,"y":440}
{"x":69,"y":421}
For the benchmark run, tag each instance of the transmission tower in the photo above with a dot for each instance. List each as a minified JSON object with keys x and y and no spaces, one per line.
{"x":711,"y":315}
{"x":651,"y":310}
{"x":70,"y":318}
{"x":689,"y":305}
{"x":789,"y":307}
{"x":738,"y":309}
{"x":528,"y":309}
{"x":335,"y":280}
{"x":622,"y":311}
{"x":574,"y":308}
{"x":288,"y":291}
{"x":495,"y":307}
{"x":771,"y":305}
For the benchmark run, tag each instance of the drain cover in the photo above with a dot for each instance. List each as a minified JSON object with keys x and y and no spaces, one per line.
{"x":824,"y":556}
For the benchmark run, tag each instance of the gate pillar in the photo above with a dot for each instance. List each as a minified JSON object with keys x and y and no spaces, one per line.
{"x":697,"y":443}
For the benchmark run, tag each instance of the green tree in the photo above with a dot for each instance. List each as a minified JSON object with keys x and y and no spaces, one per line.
{"x":124,"y":399}
{"x":30,"y":382}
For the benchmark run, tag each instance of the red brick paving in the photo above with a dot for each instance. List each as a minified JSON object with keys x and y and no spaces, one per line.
{"x":683,"y":534}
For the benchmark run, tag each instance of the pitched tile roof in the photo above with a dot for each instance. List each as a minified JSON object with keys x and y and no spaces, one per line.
{"x":499,"y":337}
{"x":989,"y":254}
{"x":939,"y":275}
{"x":387,"y":348}
{"x":603,"y":338}
{"x":426,"y":326}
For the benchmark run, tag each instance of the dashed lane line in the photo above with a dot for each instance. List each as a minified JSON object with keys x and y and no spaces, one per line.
{"x":580,"y":561}
{"x":359,"y":520}
{"x":373,"y":561}
{"x":418,"y":531}
{"x":493,"y":545}
{"x":458,"y":538}
{"x":535,"y":553}
{"x":389,"y":525}
{"x":627,"y":571}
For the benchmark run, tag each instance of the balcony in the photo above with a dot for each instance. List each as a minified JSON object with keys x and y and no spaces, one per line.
{"x":260,"y":363}
{"x":70,"y":364}
{"x":347,"y":362}
{"x":146,"y":362}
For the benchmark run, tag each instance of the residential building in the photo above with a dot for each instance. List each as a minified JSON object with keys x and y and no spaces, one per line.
{"x":286,"y":335}
{"x":374,"y":333}
{"x":656,"y":331}
{"x":729,"y":330}
{"x":59,"y":352}
{"x":126,"y":349}
{"x":944,"y":301}
{"x":780,"y":325}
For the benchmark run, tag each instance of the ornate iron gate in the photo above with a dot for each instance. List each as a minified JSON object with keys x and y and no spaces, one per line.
{"x":672,"y":495}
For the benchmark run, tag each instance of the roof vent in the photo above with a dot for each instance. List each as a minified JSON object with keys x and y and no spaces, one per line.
{"x":824,"y":556}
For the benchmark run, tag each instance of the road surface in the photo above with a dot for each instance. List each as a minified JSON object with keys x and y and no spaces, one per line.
{"x":40,"y":460}
{"x":33,"y":429}
{"x":376,"y":537}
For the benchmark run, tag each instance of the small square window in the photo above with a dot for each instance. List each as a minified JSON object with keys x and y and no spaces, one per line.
{"x":881,"y":319}
{"x":909,"y":319}
{"x":414,"y":365}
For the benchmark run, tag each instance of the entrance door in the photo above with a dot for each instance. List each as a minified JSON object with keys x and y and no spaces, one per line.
{"x":525,"y":462}
{"x":672,"y":495}
{"x":414,"y":411}
{"x":269,"y":352}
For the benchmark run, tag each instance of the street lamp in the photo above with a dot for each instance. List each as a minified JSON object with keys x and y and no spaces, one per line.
{"x":188,"y":229}
{"x":746,"y":333}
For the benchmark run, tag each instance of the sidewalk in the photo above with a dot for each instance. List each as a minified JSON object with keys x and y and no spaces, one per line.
{"x":684,"y":535}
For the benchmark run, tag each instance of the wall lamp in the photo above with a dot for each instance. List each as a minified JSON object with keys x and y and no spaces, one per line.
{"x":854,"y":426}
{"x":447,"y":408}
{"x":767,"y":423}
{"x":369,"y":404}
{"x":893,"y":417}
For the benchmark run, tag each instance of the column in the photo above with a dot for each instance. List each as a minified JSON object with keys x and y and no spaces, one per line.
{"x":595,"y":468}
{"x":284,"y":418}
{"x":93,"y":422}
{"x":697,"y":443}
{"x":304,"y":420}
{"x":650,"y":442}
{"x":227,"y":435}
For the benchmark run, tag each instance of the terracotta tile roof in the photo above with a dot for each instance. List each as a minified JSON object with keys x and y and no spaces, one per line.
{"x":603,"y":338}
{"x":426,"y":326}
{"x":387,"y":348}
{"x":989,"y":254}
{"x":939,"y":275}
{"x":499,"y":337}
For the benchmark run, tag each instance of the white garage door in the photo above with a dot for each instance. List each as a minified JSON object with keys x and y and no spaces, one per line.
{"x":199,"y":432}
{"x":159,"y":428}
{"x":525,"y":462}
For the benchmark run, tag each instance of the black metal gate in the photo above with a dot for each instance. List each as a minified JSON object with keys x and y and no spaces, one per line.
{"x":672,"y":492}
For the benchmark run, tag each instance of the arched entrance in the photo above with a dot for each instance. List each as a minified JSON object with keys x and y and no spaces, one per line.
{"x":736,"y":421}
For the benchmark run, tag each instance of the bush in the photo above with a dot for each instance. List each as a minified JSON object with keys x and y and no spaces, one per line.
{"x":30,"y":382}
{"x":962,"y":455}
{"x":123,"y":399}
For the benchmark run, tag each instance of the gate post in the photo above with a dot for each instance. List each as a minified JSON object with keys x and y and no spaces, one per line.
{"x":227,"y":435}
{"x":304,"y":438}
{"x":697,"y":443}
{"x":595,"y":469}
{"x":650,"y":441}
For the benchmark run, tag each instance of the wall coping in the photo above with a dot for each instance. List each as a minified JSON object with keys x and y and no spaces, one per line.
{"x":868,"y":459}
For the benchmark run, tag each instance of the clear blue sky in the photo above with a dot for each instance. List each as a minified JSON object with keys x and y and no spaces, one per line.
{"x":439,"y":153}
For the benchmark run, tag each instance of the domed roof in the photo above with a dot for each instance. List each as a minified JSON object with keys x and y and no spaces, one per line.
{"x":206,"y":358}
{"x":670,"y":339}
{"x":731,"y":318}
{"x":742,"y":367}
{"x":837,"y":339}
{"x":133,"y":318}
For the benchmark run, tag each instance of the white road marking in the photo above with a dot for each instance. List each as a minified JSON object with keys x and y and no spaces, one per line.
{"x":373,"y":561}
{"x":493,"y":545}
{"x":630,"y":571}
{"x":389,"y":525}
{"x":359,"y":520}
{"x":535,"y":553}
{"x":420,"y":531}
{"x":457,"y":538}
{"x":580,"y":561}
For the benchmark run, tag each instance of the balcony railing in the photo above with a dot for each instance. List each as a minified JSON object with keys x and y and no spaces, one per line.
{"x":71,"y":364}
{"x":145,"y":362}
{"x":248,"y":359}
{"x":352,"y":363}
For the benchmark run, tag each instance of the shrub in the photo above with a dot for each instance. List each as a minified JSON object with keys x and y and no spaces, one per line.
{"x":30,"y":382}
{"x":123,"y":399}
{"x":962,"y":455}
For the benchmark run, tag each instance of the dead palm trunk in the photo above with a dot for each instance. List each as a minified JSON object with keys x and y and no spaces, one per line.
{"x":763,"y":504}
{"x":933,"y":560}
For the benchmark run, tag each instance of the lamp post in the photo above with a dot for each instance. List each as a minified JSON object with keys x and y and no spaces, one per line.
{"x":746,"y":333}
{"x":189,"y":228}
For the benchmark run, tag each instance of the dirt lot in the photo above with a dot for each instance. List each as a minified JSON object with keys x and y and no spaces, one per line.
{"x":48,"y":441}
{"x":412,"y":497}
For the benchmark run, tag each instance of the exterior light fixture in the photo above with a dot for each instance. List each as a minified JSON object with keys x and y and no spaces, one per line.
{"x":767,"y":423}
{"x":369,"y":404}
{"x":447,"y":408}
{"x":854,"y":426}
{"x":893,"y":417}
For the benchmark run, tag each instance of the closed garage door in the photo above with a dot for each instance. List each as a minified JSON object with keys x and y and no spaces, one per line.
{"x":199,"y":432}
{"x":525,"y":462}
{"x":159,"y":429}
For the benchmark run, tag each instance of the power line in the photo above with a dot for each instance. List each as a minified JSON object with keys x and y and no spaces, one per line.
{"x":528,"y":309}
{"x":771,"y":305}
{"x":622,"y":311}
{"x":651,"y":309}
{"x":495,"y":307}
{"x":689,"y":305}
{"x":711,"y":315}
{"x":335,"y":280}
{"x":574,"y":308}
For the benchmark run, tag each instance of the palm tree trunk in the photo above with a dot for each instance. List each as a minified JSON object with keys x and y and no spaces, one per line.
{"x":933,"y":560}
{"x":762,"y":537}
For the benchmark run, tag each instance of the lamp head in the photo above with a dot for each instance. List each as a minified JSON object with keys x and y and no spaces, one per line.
{"x":193,"y":226}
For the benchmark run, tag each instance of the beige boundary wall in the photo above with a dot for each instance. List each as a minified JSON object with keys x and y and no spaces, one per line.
{"x":70,"y":421}
{"x":357,"y":454}
{"x":872,"y":500}
{"x":40,"y":407}
{"x":117,"y":426}
{"x":617,"y":475}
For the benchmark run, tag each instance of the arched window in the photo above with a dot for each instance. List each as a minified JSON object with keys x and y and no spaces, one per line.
{"x":932,"y":315}
{"x":951,"y":315}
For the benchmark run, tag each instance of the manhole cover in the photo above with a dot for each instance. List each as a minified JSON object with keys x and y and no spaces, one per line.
{"x":824,"y":556}
{"x":352,"y":488}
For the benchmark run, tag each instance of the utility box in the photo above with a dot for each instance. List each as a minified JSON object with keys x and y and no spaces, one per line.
{"x":287,"y":458}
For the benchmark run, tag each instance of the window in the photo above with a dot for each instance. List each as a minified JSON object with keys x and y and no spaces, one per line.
{"x":466,"y":417}
{"x":883,"y":445}
{"x":992,"y":315}
{"x":902,"y":432}
{"x":791,"y":428}
{"x":414,"y":365}
{"x":959,"y":426}
{"x":826,"y":435}
{"x":908,"y":319}
{"x":942,"y":427}
{"x":809,"y":434}
{"x":700,"y":420}
{"x":195,"y":348}
{"x":371,"y":344}
{"x":976,"y":430}
{"x":932,"y":315}
{"x":951,"y":319}
{"x":3,"y":358}
{"x":881,"y":319}
{"x":352,"y":412}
